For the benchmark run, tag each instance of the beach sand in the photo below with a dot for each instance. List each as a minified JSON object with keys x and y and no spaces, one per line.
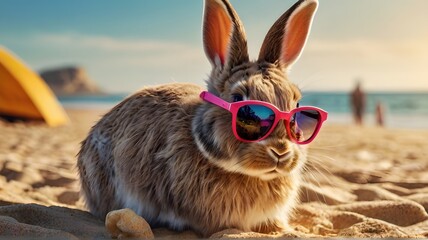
{"x":360,"y":182}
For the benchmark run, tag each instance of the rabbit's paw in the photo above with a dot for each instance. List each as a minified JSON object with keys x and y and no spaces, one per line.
{"x":125,"y":223}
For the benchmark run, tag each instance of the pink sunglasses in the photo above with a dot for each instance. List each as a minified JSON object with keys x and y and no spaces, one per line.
{"x":253,"y":121}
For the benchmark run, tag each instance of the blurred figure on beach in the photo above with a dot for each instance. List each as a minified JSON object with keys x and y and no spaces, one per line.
{"x":380,"y":112}
{"x":358,"y":103}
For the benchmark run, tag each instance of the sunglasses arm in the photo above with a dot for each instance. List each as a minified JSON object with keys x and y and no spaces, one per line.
{"x":209,"y":97}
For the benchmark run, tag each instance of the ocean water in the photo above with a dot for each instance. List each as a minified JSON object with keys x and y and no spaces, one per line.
{"x":402,"y":110}
{"x":92,"y":101}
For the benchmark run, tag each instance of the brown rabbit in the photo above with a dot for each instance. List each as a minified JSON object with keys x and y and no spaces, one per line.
{"x":174,"y":159}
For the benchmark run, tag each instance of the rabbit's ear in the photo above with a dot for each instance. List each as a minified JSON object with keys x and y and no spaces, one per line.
{"x":285,"y":40}
{"x":223,"y":35}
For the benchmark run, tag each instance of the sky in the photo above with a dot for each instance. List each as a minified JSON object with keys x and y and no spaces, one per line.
{"x":126,"y":45}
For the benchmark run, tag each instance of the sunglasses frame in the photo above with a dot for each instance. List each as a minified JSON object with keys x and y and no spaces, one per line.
{"x":279,"y":115}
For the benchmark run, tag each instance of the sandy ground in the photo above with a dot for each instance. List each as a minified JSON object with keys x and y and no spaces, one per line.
{"x":360,"y":182}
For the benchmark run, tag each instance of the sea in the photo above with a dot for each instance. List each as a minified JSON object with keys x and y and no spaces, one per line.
{"x":404,"y":110}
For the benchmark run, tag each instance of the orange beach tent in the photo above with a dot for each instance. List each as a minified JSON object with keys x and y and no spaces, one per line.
{"x":23,"y":94}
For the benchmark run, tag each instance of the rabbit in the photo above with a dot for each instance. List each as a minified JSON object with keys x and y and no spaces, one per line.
{"x":173,"y":159}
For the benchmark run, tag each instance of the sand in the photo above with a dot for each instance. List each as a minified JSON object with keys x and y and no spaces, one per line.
{"x":360,"y":182}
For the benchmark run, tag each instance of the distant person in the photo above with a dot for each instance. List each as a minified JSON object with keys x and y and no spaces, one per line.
{"x":358,"y":103}
{"x":380,"y":110}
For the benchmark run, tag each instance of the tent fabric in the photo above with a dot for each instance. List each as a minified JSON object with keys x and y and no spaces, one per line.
{"x":23,"y":94}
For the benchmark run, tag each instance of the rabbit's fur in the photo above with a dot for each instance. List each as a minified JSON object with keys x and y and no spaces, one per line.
{"x":173,"y":158}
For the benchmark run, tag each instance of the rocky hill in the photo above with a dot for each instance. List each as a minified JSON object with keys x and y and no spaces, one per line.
{"x":70,"y":80}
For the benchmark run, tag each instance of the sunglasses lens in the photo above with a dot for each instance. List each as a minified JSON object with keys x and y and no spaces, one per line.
{"x":254,"y":121}
{"x":304,"y":124}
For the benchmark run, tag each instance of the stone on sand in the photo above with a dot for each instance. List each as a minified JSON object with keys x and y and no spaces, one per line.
{"x":32,"y":220}
{"x":125,"y":223}
{"x":401,"y":213}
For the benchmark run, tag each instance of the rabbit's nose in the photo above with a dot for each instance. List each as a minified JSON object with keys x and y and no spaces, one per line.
{"x":279,"y":155}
